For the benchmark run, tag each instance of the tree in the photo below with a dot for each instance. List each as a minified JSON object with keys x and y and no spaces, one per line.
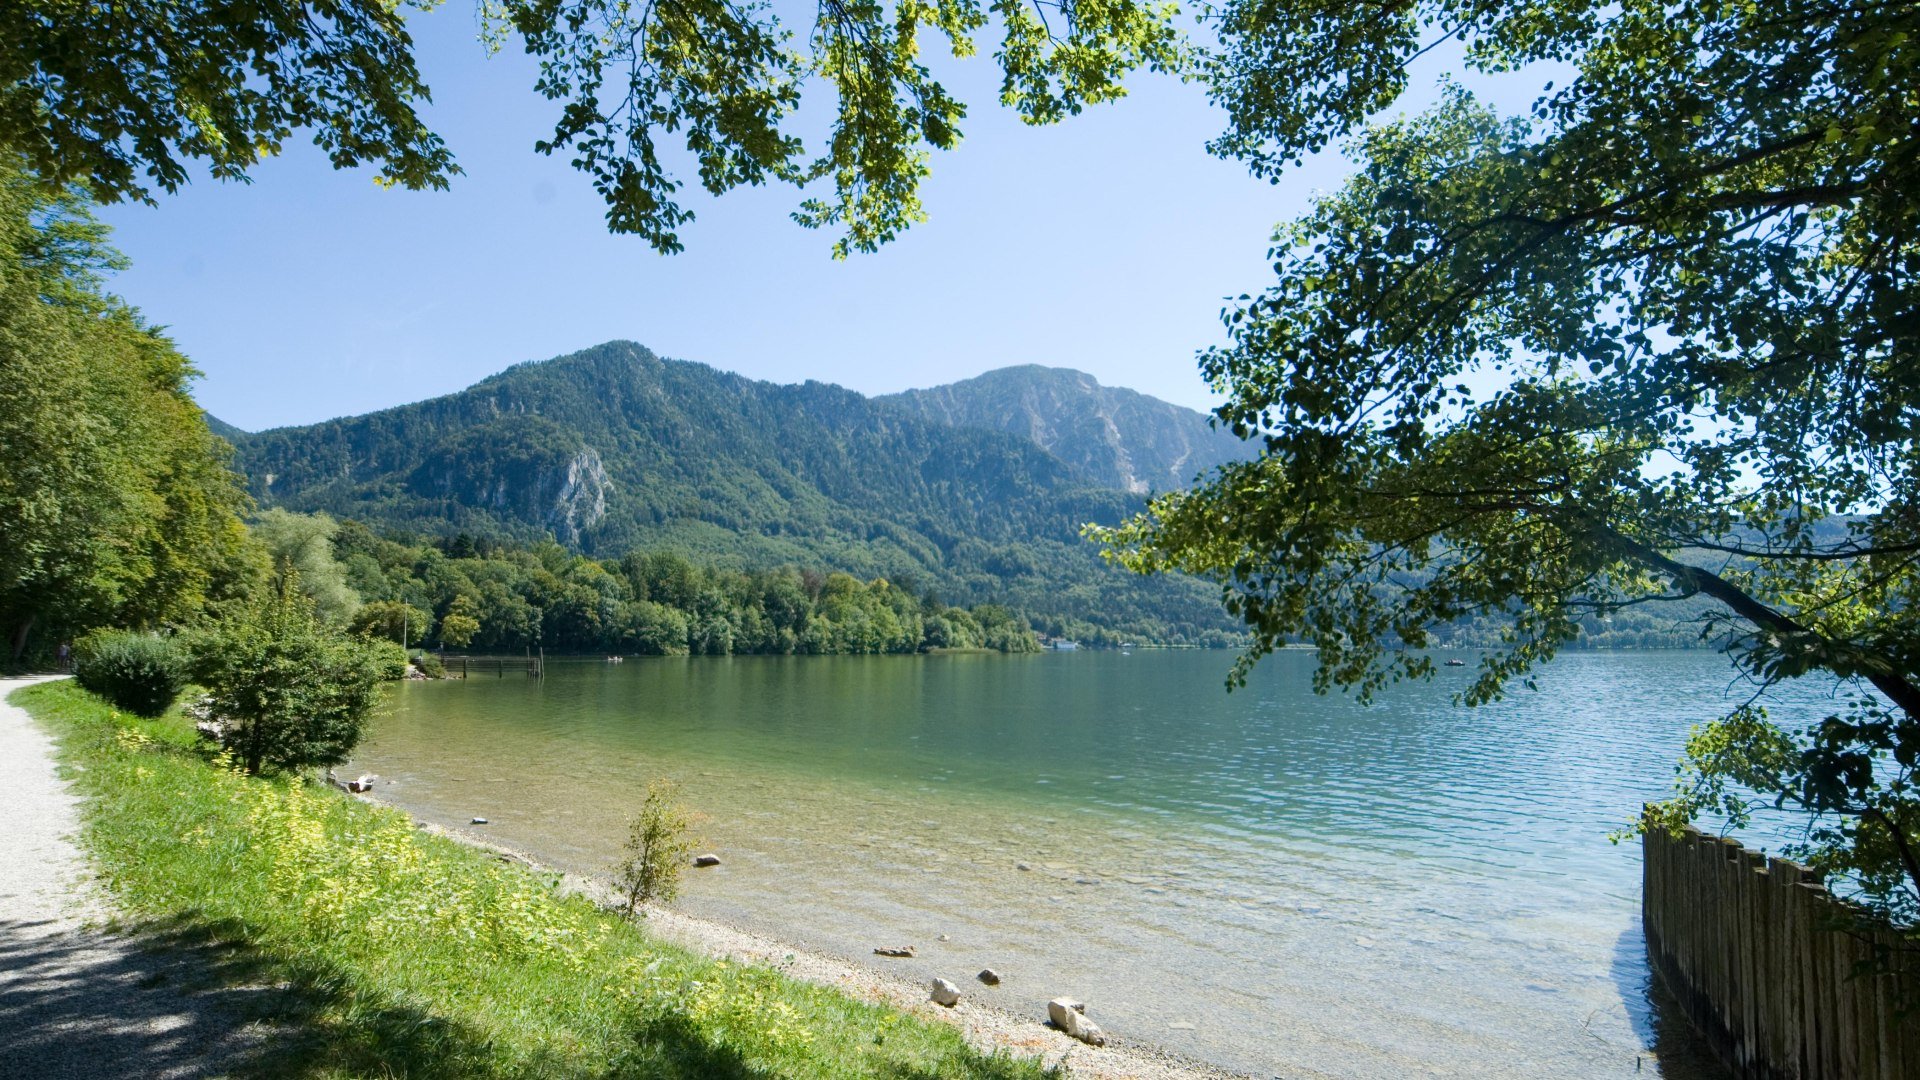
{"x":290,"y":691}
{"x":116,"y":504}
{"x":125,"y":97}
{"x":461,"y":622}
{"x":1655,"y":342}
{"x":305,"y":541}
{"x":393,"y":620}
{"x":657,"y":849}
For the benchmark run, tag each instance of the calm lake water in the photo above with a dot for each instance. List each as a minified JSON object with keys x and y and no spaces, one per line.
{"x":1278,"y":882}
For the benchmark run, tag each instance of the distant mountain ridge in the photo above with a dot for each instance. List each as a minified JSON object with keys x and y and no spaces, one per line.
{"x":615,"y":448}
{"x":221,"y":427}
{"x":1118,"y":437}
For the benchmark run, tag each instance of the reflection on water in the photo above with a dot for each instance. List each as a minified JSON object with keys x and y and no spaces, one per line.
{"x":1271,"y":880}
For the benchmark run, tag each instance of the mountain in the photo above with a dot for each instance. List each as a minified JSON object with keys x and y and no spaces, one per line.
{"x":614,"y":448}
{"x":1118,"y":438}
{"x":222,"y":428}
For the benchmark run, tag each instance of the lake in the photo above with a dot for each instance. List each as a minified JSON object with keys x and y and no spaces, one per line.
{"x":1270,"y":880}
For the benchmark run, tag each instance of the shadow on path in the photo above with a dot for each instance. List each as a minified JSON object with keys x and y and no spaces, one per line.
{"x":77,"y":1003}
{"x":181,"y":999}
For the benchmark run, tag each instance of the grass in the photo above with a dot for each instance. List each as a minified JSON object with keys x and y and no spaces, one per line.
{"x":402,"y":954}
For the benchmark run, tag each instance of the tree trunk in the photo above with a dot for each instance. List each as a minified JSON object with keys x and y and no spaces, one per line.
{"x":256,"y":749}
{"x":20,"y":637}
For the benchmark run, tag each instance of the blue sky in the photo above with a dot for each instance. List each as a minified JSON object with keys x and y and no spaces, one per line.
{"x":1107,"y":243}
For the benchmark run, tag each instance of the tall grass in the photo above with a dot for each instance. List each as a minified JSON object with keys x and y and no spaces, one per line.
{"x":404,"y":954}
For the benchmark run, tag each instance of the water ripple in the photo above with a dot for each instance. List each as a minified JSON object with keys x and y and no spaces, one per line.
{"x":1362,"y":891}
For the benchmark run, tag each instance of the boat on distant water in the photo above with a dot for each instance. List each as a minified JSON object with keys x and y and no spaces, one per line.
{"x":1456,"y":663}
{"x":1066,"y":646}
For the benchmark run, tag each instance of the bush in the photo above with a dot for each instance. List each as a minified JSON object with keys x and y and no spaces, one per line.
{"x":289,"y":692}
{"x":141,"y":673}
{"x":388,"y":657}
{"x":429,"y":664}
{"x":657,"y":849}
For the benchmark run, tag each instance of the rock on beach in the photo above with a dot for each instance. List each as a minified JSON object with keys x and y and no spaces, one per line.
{"x":1070,"y":1016}
{"x":945,"y":993}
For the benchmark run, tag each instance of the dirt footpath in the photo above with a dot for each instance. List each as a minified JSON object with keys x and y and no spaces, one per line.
{"x":76,"y":1001}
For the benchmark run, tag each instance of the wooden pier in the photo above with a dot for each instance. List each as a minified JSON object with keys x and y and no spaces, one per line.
{"x":533,"y":664}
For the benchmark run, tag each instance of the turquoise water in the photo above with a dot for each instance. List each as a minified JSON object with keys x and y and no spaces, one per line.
{"x":1271,"y":880}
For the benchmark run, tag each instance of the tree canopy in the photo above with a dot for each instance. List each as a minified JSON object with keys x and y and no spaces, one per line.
{"x":464,"y":591}
{"x":126,"y":97}
{"x":1653,"y":343}
{"x":116,"y":504}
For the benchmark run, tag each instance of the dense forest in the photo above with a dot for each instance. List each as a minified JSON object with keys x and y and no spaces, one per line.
{"x":116,"y":504}
{"x":473,"y":594}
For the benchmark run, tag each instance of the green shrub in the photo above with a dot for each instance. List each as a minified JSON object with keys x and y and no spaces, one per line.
{"x":289,"y":691}
{"x":141,"y":673}
{"x":429,"y":664}
{"x":656,"y":851}
{"x":389,"y":657}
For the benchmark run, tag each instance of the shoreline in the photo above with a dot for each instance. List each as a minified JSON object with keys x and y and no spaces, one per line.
{"x":985,"y":1027}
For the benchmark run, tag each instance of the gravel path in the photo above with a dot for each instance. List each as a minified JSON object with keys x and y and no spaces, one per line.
{"x":76,"y":1001}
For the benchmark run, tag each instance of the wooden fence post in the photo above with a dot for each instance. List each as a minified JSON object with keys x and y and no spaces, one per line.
{"x":1785,"y":981}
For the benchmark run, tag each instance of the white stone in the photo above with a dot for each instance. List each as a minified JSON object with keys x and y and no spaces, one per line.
{"x":945,"y":993}
{"x":1070,"y":1016}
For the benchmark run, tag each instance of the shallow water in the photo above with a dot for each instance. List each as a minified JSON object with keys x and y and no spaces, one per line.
{"x":1271,"y":880}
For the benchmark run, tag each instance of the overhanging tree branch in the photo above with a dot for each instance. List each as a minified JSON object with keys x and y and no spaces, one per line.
{"x":1898,"y":689}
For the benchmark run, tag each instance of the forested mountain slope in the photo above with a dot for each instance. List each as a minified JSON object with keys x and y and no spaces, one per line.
{"x":1119,"y":438}
{"x":614,"y":448}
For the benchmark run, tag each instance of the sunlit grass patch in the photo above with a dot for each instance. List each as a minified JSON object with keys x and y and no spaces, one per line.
{"x":404,"y":954}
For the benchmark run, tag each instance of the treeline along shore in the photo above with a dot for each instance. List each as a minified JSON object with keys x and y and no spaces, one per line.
{"x":487,"y":596}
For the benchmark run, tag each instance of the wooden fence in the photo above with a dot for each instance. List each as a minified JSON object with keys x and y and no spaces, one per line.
{"x":1783,"y":979}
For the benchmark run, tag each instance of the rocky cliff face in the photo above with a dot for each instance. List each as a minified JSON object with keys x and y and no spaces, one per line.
{"x":1118,"y":438}
{"x":583,"y":498}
